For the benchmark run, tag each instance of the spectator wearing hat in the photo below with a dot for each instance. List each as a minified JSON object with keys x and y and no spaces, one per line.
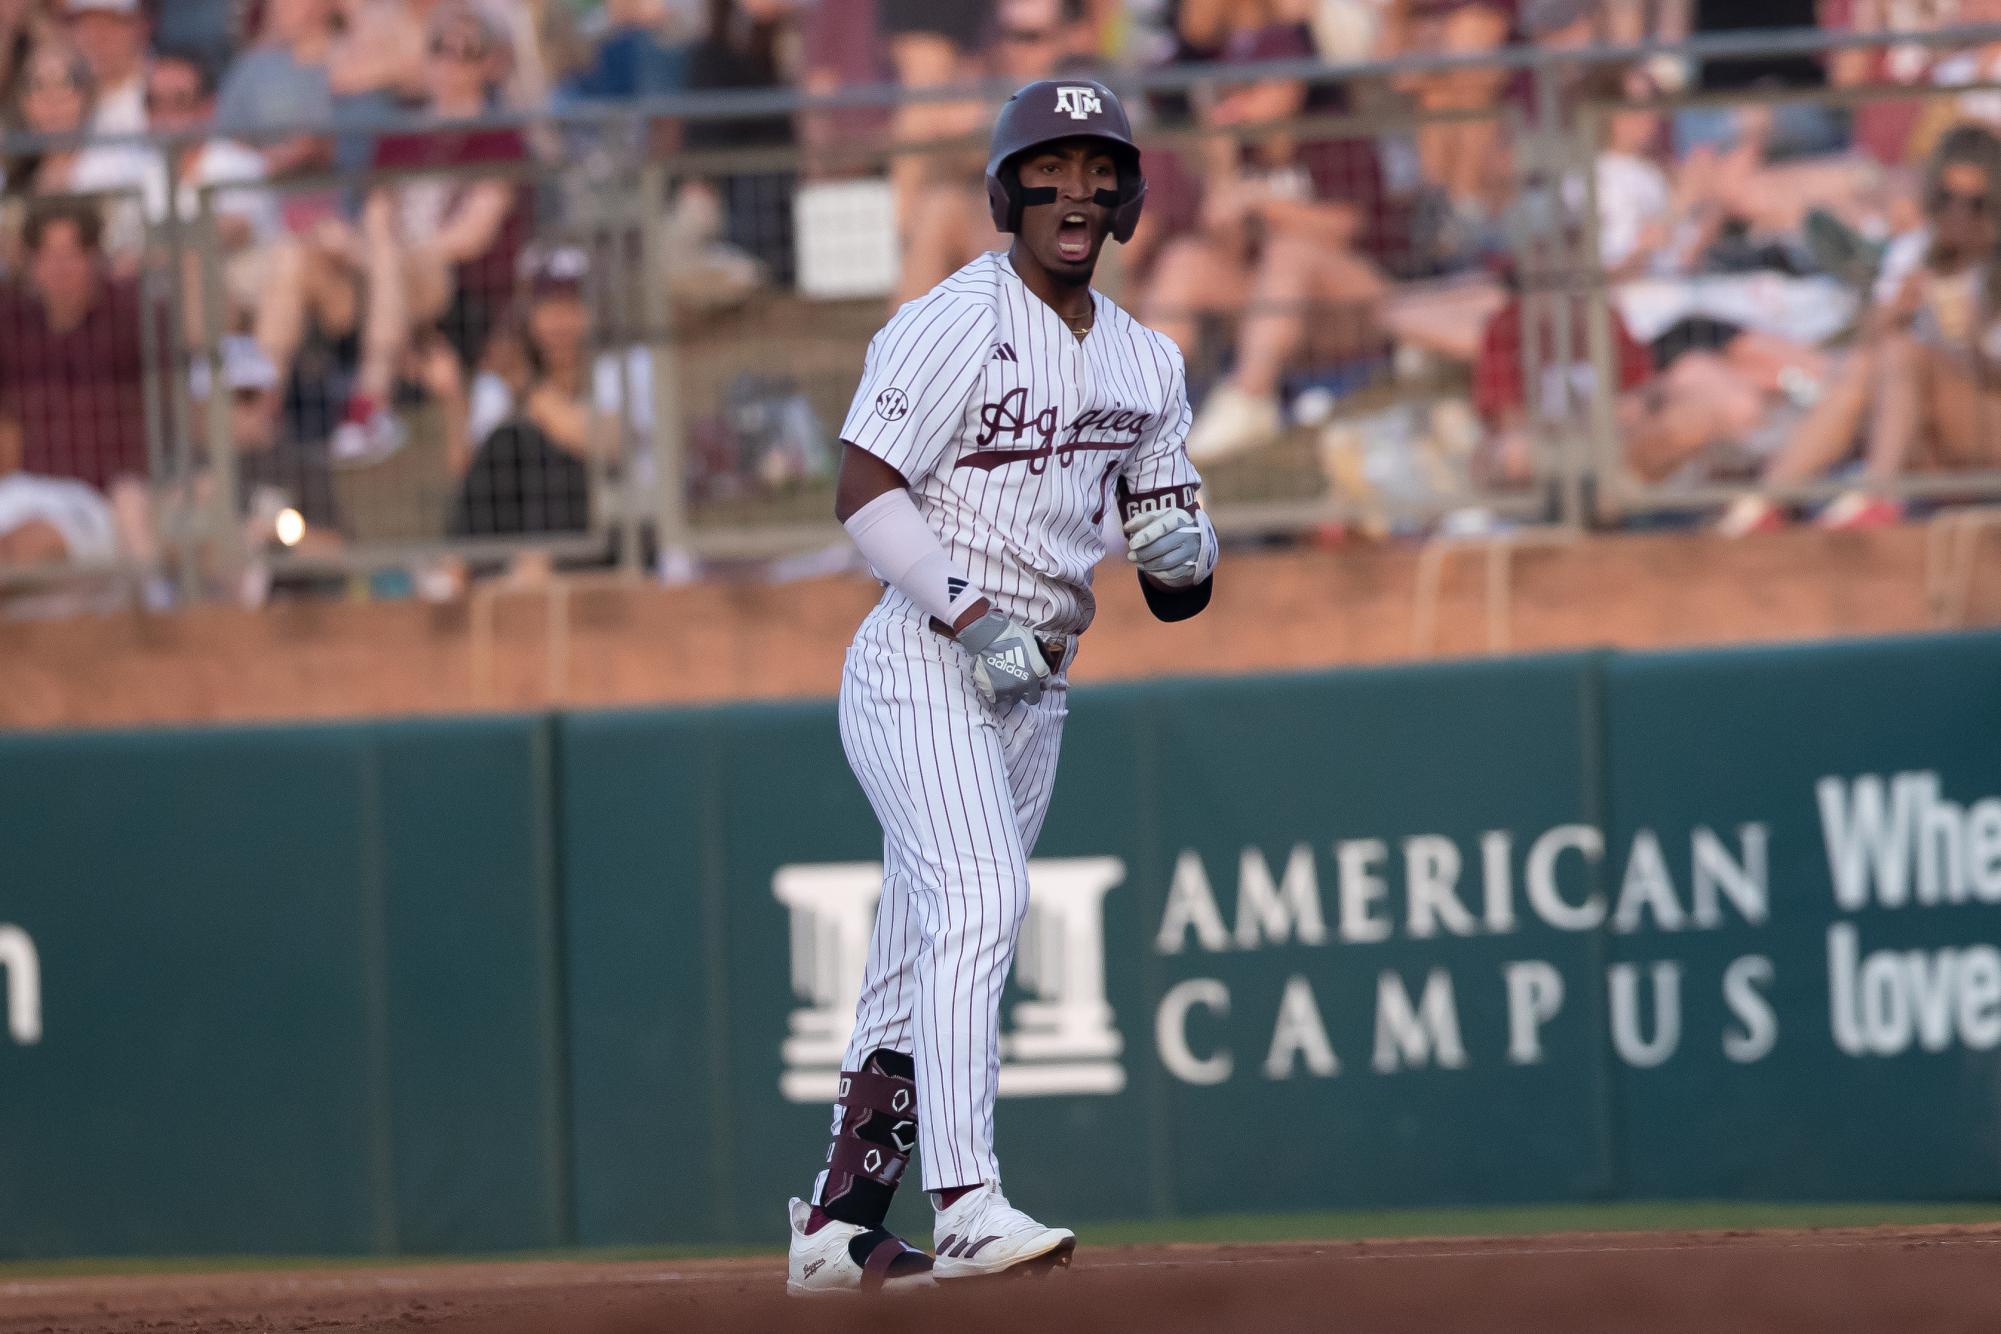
{"x":542,"y":411}
{"x":380,"y":62}
{"x":113,"y":37}
{"x":461,"y":234}
{"x":539,"y":367}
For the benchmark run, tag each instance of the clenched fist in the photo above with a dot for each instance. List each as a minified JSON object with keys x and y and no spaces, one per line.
{"x":1007,"y":665}
{"x":1166,"y":544}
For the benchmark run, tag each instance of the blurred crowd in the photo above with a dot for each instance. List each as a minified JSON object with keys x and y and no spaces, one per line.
{"x":359,"y":214}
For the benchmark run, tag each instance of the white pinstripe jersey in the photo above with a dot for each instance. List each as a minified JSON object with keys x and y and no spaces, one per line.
{"x":1013,"y":433}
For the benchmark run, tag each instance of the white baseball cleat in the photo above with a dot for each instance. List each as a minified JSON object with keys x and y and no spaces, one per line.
{"x":983,"y":1234}
{"x":843,"y":1257}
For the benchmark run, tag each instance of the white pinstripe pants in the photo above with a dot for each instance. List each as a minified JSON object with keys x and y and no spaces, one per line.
{"x":961,"y":792}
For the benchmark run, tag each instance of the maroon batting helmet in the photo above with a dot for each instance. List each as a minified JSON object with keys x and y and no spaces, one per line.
{"x":1054,"y":109}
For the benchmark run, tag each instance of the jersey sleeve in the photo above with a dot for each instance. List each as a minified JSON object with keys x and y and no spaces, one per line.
{"x":1159,"y":465}
{"x":921,"y":369}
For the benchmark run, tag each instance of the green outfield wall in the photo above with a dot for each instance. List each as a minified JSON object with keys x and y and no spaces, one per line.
{"x":298,"y":991}
{"x":1597,"y":926}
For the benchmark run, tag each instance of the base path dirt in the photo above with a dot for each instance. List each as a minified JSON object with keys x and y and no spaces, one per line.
{"x":1906,"y":1279}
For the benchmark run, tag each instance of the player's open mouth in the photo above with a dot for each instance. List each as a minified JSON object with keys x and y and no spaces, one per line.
{"x":1073,"y":236}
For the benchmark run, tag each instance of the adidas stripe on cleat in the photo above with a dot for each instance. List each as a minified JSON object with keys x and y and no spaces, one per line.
{"x":982,"y":1234}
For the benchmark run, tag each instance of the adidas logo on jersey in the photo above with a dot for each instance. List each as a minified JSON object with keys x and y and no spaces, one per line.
{"x":1005,"y":352}
{"x":954,"y":586}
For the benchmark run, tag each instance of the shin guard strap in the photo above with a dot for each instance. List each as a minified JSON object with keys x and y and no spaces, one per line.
{"x":865,"y":1090}
{"x":880,"y":1163}
{"x":889,"y":1256}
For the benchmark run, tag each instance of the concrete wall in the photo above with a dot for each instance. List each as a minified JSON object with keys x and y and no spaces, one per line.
{"x":744,"y":640}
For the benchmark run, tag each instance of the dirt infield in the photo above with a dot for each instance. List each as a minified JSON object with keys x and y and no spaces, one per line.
{"x":1907,"y":1279}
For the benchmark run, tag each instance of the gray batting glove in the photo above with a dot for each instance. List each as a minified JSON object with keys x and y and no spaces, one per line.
{"x":1007,"y":666}
{"x":1167,"y":544}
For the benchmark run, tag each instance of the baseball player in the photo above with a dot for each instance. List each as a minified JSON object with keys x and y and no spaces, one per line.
{"x":999,"y":417}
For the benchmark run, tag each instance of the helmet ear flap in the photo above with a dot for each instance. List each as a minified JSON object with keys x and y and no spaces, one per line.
{"x":1126,"y":220}
{"x":1002,"y":205}
{"x":1131,"y":198}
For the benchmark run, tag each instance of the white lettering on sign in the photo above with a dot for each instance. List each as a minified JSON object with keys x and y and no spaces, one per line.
{"x":1299,"y":1035}
{"x":1743,"y":983}
{"x":24,"y":985}
{"x":1905,"y":842}
{"x":1535,"y":994}
{"x":1272,"y":913}
{"x":1413,"y":1035}
{"x":1170,"y":1031}
{"x":1883,"y":1003}
{"x":1628,"y":1039}
{"x":1420,"y":887}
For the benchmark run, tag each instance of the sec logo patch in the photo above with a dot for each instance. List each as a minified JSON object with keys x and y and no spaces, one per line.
{"x":892,"y":405}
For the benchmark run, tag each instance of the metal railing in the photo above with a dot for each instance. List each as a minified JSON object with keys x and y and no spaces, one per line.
{"x":644,"y":362}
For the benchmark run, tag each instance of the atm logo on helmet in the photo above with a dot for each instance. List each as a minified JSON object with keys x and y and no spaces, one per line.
{"x":1079,"y":103}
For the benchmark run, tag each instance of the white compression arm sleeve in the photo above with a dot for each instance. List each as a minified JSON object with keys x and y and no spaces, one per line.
{"x":903,"y":549}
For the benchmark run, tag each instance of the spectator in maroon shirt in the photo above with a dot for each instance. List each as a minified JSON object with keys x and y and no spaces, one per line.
{"x":437,"y":251}
{"x":1517,"y":421}
{"x":1682,"y":419}
{"x":72,"y":356}
{"x":1285,"y":229}
{"x":462,"y":235}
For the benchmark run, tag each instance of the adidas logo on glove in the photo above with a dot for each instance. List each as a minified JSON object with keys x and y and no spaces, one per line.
{"x":1012,"y":663}
{"x":1007,"y":665}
